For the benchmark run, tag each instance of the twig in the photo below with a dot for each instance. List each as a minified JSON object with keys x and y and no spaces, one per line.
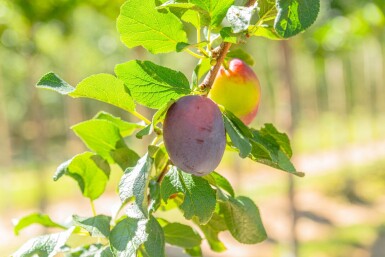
{"x":210,"y":77}
{"x":219,"y":55}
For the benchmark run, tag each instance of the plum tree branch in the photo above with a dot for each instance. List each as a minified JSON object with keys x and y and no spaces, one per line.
{"x":220,"y":54}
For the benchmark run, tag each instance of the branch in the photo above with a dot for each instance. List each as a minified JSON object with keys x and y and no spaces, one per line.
{"x":250,"y":3}
{"x":210,"y":77}
{"x":220,"y":54}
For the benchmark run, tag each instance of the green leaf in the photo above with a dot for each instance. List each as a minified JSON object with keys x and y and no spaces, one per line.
{"x":35,"y":218}
{"x":183,"y":46}
{"x":106,"y":88}
{"x":216,"y":8}
{"x":243,"y":220}
{"x":155,"y":244}
{"x":97,"y":226}
{"x":238,"y":133}
{"x":134,"y":183}
{"x":219,"y":181}
{"x":195,"y":252}
{"x":126,"y":237}
{"x":102,"y":87}
{"x":140,"y":24}
{"x":90,"y":171}
{"x":94,"y":250}
{"x":240,"y":18}
{"x":280,"y":138}
{"x":199,"y":198}
{"x":200,"y":70}
{"x":266,"y":150}
{"x":147,"y":130}
{"x":265,"y":31}
{"x":241,"y":54}
{"x":160,"y":114}
{"x":197,"y":17}
{"x":228,"y":36}
{"x":44,"y":246}
{"x":211,"y":231}
{"x":176,"y":4}
{"x":126,"y":128}
{"x":54,"y":82}
{"x":181,"y":235}
{"x":104,"y":138}
{"x":152,"y":85}
{"x":295,"y":16}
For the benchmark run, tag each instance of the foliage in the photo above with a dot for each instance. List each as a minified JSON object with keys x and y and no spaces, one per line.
{"x":151,"y":183}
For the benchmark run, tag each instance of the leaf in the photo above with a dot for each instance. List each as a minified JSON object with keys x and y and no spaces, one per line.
{"x":216,"y":8}
{"x":97,"y":226}
{"x":281,"y":138}
{"x":266,"y":150}
{"x":126,"y":237}
{"x":140,"y":24}
{"x":295,"y":16}
{"x":199,"y":197}
{"x":265,"y":26}
{"x":241,"y":54}
{"x":102,"y":87}
{"x":104,"y":138}
{"x":195,"y":252}
{"x":44,"y":246}
{"x":240,"y":17}
{"x":106,"y":88}
{"x":265,"y":31}
{"x":200,"y":70}
{"x":134,"y":183}
{"x":152,"y":85}
{"x":228,"y":36}
{"x":125,"y":128}
{"x":54,"y":82}
{"x":219,"y":181}
{"x":94,"y":250}
{"x":155,"y":244}
{"x":160,"y":114}
{"x":243,"y":220}
{"x":35,"y":218}
{"x":176,"y":4}
{"x":211,"y":231}
{"x":90,"y":171}
{"x":181,"y":235}
{"x":147,"y":130}
{"x":238,"y":133}
{"x":183,"y":46}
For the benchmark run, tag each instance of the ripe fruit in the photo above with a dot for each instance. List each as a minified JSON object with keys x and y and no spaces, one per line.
{"x":194,"y":134}
{"x":238,"y":90}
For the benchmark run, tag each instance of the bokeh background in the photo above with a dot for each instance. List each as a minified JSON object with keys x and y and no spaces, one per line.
{"x":325,"y":88}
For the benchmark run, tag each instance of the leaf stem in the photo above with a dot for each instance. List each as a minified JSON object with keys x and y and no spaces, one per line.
{"x":195,"y":54}
{"x":141,"y":117}
{"x":208,"y":39}
{"x":93,"y":207}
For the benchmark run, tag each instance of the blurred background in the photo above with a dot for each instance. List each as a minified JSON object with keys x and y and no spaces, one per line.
{"x":325,"y":88}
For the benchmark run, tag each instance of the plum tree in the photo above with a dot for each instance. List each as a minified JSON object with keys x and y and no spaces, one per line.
{"x":194,"y":134}
{"x":237,"y":88}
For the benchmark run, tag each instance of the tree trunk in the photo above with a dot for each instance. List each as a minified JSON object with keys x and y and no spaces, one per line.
{"x":289,"y":95}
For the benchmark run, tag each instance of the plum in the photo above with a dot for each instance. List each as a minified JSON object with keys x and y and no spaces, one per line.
{"x":237,"y":88}
{"x":194,"y":134}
